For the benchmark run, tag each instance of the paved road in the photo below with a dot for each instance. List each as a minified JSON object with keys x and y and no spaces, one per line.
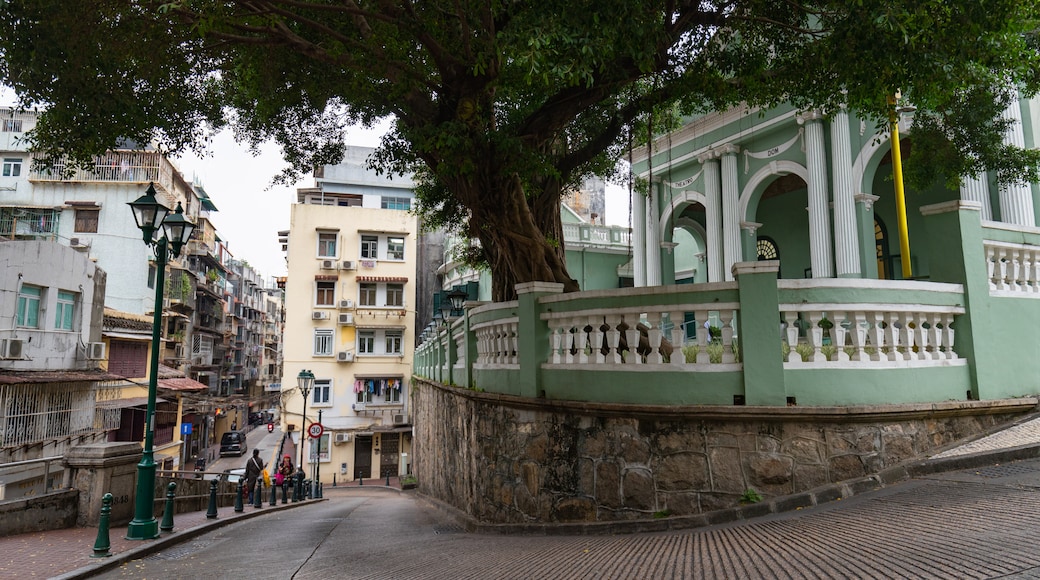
{"x":979,"y":523}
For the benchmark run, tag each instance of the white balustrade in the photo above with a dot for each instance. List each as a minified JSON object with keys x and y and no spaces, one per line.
{"x":868,"y":334}
{"x":615,"y":337}
{"x":496,"y":342}
{"x":1013,"y":268}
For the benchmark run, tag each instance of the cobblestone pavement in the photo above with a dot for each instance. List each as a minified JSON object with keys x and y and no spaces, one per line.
{"x":971,"y":515}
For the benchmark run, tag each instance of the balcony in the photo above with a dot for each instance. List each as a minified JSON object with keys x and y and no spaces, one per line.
{"x":117,"y":166}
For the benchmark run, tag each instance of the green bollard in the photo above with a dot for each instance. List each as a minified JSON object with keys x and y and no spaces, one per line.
{"x":238,"y":497}
{"x":103,"y":543}
{"x":388,"y":479}
{"x":167,"y":516}
{"x":274,"y":495}
{"x":211,"y":513}
{"x":361,"y":480}
{"x":257,"y":492}
{"x":321,"y":487}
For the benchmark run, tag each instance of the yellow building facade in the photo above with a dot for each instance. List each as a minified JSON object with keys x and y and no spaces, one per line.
{"x":350,"y":316}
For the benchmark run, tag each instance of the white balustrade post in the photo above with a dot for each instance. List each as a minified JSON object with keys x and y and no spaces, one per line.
{"x":632,"y":336}
{"x":838,"y":332}
{"x":597,"y":339}
{"x":653,"y":336}
{"x":580,"y":341}
{"x":703,"y":337}
{"x":791,"y":319}
{"x":726,"y":317}
{"x":678,"y":358}
{"x":815,"y":335}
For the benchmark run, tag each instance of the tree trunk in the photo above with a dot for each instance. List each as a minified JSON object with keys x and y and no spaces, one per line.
{"x":517,"y":247}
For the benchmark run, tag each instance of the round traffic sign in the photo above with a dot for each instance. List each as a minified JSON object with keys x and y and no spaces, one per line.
{"x":315,"y":430}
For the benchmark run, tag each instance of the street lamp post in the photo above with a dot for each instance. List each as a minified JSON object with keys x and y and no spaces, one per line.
{"x":304,"y":380}
{"x":150,"y":216}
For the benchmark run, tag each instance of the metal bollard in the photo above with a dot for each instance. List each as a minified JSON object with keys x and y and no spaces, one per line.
{"x":388,"y":479}
{"x":167,"y":516}
{"x":238,"y":496}
{"x":333,"y":480}
{"x":103,"y":543}
{"x":285,"y":493}
{"x":361,"y":480}
{"x":321,"y":488}
{"x":211,"y":513}
{"x":297,"y":494}
{"x":274,"y":494}
{"x":257,"y":491}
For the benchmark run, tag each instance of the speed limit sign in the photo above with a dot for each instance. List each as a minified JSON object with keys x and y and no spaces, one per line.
{"x":315,"y":430}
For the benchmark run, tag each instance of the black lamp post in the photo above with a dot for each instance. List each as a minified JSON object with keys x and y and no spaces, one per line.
{"x":305,"y":381}
{"x":150,"y":216}
{"x":457,"y":299}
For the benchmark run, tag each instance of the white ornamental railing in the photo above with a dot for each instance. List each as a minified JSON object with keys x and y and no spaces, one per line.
{"x":497,"y":342}
{"x":615,"y":337}
{"x":1013,"y":269}
{"x":874,"y":335}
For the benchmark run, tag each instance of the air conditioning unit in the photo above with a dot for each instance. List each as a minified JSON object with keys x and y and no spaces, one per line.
{"x":78,"y":243}
{"x":345,"y":356}
{"x":319,"y":315}
{"x":328,"y":264}
{"x":346,"y":318}
{"x":346,"y":303}
{"x":11,"y":348}
{"x":348,"y":265}
{"x":400,"y":419}
{"x":342,"y":438}
{"x":95,"y":351}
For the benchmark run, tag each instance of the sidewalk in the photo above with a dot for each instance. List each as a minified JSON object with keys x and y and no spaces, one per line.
{"x":66,"y":554}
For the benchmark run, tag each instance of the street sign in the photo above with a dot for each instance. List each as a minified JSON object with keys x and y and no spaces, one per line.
{"x":186,"y":428}
{"x":315,"y":430}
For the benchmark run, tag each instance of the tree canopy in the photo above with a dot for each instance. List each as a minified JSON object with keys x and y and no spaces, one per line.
{"x":500,"y":106}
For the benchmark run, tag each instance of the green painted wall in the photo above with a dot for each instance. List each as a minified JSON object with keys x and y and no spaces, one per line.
{"x":595,"y":270}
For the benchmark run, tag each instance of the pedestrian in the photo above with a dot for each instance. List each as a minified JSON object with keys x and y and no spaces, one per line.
{"x":284,"y":474}
{"x":234,"y":425}
{"x":254,"y":469}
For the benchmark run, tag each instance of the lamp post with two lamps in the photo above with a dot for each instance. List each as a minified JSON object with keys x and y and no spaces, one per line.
{"x":150,"y":216}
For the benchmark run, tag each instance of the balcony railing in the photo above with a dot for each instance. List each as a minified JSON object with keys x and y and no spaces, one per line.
{"x":116,"y":166}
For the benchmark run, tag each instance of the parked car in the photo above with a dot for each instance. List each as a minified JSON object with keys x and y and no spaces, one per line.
{"x":233,"y":443}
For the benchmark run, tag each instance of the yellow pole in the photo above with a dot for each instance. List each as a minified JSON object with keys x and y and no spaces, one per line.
{"x":897,"y":173}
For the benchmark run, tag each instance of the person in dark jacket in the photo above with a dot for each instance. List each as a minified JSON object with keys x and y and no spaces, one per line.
{"x":254,"y":469}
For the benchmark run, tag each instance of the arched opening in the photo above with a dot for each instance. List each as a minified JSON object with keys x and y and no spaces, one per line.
{"x":884,"y":257}
{"x":767,"y":249}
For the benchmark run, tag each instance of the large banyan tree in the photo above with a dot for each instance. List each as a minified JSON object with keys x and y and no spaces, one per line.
{"x":502,"y":105}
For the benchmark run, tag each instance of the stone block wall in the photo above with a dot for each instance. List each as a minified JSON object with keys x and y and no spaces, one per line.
{"x":502,"y":459}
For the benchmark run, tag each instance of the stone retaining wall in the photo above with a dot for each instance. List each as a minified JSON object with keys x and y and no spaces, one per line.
{"x":503,"y":459}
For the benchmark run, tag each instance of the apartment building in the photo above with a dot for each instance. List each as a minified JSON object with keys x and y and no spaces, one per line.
{"x":350,"y":296}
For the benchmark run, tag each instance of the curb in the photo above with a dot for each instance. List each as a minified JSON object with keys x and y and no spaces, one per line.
{"x":171,"y":539}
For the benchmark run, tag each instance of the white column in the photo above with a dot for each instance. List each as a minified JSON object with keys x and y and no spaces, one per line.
{"x":1016,"y":199}
{"x":820,"y":242}
{"x":638,"y":202}
{"x":846,"y":242}
{"x":713,"y":215}
{"x":653,"y":234}
{"x":977,"y":189}
{"x":730,"y":209}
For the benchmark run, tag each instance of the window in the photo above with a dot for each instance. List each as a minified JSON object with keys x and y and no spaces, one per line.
{"x":393,"y":392}
{"x":366,"y":342}
{"x":322,"y":342}
{"x":86,"y":220}
{"x":29,"y":306}
{"x":395,"y":294}
{"x":65,"y":310}
{"x":327,"y":244}
{"x":393,"y":341}
{"x":151,"y":276}
{"x":364,"y":397}
{"x":390,"y":202}
{"x":12,"y":126}
{"x":369,"y":247}
{"x":325,"y":294}
{"x":322,"y":391}
{"x":367,"y":294}
{"x":395,"y":248}
{"x":12,"y":166}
